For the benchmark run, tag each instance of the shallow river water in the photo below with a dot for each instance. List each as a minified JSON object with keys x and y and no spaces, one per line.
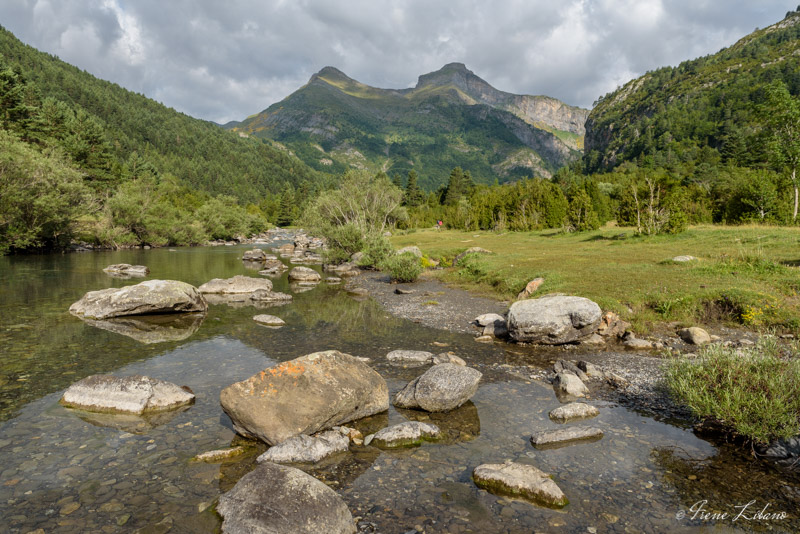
{"x":67,"y":471}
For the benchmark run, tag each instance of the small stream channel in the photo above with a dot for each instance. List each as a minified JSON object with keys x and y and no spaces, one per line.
{"x":65,"y":471}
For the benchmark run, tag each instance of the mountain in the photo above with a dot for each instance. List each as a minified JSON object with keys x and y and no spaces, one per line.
{"x":450,"y":118}
{"x":199,"y":153}
{"x":706,"y":110}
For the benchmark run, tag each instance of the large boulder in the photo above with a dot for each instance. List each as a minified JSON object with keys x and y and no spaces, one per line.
{"x":125,"y":395}
{"x":553,"y":320}
{"x":236,"y":285}
{"x":304,"y":274}
{"x":277,"y":499}
{"x":441,"y":388}
{"x":520,"y":480}
{"x":145,"y":298}
{"x":304,"y":395}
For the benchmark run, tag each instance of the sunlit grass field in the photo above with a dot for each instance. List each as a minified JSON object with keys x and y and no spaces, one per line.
{"x":745,"y":275}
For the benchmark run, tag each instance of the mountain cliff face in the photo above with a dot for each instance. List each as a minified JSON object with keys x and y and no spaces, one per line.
{"x":450,"y":118}
{"x":701,"y":110}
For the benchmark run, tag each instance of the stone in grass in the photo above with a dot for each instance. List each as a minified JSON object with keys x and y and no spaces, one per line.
{"x":278,"y":499}
{"x":683,"y":259}
{"x":408,"y":434}
{"x":134,"y":394}
{"x":574,"y":411}
{"x":520,"y":480}
{"x":269,"y":320}
{"x":410,"y":358}
{"x":552,"y":439}
{"x":694,"y":335}
{"x":307,"y":449}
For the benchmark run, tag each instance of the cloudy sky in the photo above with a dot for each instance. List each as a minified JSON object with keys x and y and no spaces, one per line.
{"x":225,"y":59}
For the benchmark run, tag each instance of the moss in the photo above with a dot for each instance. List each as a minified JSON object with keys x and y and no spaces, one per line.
{"x":498,"y":488}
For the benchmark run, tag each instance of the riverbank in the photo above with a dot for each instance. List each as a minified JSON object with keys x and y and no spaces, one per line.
{"x":743,"y":276}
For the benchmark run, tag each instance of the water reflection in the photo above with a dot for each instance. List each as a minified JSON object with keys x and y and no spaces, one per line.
{"x":134,"y":424}
{"x":152,"y":328}
{"x":459,"y":425}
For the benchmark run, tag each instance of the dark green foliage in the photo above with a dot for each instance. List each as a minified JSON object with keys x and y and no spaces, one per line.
{"x":343,"y":241}
{"x":376,"y":249}
{"x":41,"y":197}
{"x":414,"y":196}
{"x":103,"y":123}
{"x":404,"y":267}
{"x":580,"y":213}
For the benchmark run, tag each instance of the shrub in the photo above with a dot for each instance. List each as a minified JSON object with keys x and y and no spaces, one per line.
{"x":754,"y":392}
{"x":404,"y":267}
{"x":376,"y":249}
{"x":343,"y":242}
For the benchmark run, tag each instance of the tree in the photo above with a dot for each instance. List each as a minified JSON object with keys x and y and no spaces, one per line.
{"x":414,"y":196}
{"x":782,"y":114}
{"x":456,"y":187}
{"x":580,"y":213}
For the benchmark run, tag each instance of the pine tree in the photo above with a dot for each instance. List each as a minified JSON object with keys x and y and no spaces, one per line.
{"x":414,"y":195}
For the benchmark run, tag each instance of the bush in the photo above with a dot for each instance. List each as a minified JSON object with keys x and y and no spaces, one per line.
{"x":343,"y":242}
{"x":404,"y":267}
{"x":754,"y":392}
{"x":376,"y":250}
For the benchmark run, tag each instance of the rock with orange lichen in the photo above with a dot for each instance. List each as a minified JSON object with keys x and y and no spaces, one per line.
{"x":303,"y":396}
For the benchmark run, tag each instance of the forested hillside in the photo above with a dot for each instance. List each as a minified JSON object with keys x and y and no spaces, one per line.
{"x":84,"y":158}
{"x":198,"y":153}
{"x":708,"y":110}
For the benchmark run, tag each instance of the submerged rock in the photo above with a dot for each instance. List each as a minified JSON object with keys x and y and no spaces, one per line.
{"x":269,"y":320}
{"x":262,"y":295}
{"x":410,"y":358}
{"x":574,"y":411}
{"x":520,"y":480}
{"x":441,"y":388}
{"x":277,"y":499}
{"x":446,"y":357}
{"x":406,"y":434}
{"x":127,"y":395}
{"x":145,"y":298}
{"x":553,"y":320}
{"x":127,"y":269}
{"x":219,"y":455}
{"x":307,"y":449}
{"x":304,"y":274}
{"x":303,"y":396}
{"x":237,"y":284}
{"x":566,"y":436}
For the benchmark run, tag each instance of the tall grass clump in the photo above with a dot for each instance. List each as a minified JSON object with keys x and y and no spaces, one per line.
{"x":404,"y":267}
{"x":753,"y":391}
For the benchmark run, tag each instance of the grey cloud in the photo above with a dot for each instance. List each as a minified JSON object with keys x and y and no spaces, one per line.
{"x":225,"y":60}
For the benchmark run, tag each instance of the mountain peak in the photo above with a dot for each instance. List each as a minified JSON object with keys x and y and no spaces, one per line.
{"x":331,"y":73}
{"x":453,"y":73}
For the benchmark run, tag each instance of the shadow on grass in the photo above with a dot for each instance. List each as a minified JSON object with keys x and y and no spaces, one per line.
{"x":791,"y":263}
{"x":616,"y":237}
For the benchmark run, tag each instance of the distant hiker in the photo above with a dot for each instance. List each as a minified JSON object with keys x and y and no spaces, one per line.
{"x":439,"y":225}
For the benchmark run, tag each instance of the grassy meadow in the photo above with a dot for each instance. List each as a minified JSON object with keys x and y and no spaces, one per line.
{"x":744,"y":275}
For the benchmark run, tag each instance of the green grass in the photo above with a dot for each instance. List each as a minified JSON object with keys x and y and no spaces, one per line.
{"x":754,"y":392}
{"x":746,"y":275}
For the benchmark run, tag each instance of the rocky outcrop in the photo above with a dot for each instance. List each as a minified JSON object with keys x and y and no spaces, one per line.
{"x":150,"y":297}
{"x":519,"y":480}
{"x":611,"y":325}
{"x":237,"y":284}
{"x":553,"y":320}
{"x":277,"y":499}
{"x":441,"y":388}
{"x":406,"y":434}
{"x":126,"y":269}
{"x":303,"y":396}
{"x":125,"y":395}
{"x":307,"y":449}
